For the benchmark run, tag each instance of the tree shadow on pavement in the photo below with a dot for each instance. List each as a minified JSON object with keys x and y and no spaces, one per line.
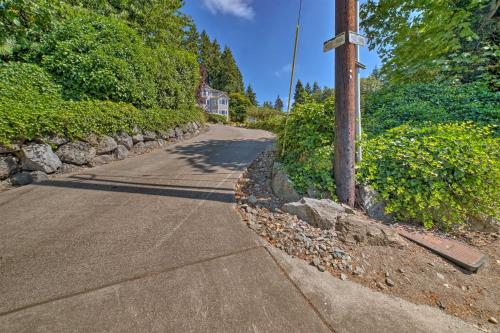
{"x":214,"y":156}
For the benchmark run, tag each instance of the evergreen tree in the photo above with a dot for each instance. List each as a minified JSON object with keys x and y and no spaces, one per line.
{"x":252,"y":96}
{"x":209,"y":56}
{"x":299,"y":96}
{"x":230,"y":76}
{"x":278,"y":104}
{"x":308,"y":89}
{"x":267,"y":104}
{"x":316,"y":92}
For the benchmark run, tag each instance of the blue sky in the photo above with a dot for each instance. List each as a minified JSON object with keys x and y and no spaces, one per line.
{"x":261,"y":32}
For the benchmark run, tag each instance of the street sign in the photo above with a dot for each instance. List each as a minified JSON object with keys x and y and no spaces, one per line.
{"x":357,"y":39}
{"x":334,"y":42}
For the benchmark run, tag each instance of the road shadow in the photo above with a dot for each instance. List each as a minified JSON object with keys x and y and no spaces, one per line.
{"x":187,"y":192}
{"x":212,"y":157}
{"x":215,"y":156}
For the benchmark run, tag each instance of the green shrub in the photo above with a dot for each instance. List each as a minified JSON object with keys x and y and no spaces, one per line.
{"x":31,"y":107}
{"x":308,"y":147}
{"x":97,"y":57}
{"x":417,"y":104}
{"x":216,"y":118}
{"x":443,"y":175}
{"x":273,"y":124}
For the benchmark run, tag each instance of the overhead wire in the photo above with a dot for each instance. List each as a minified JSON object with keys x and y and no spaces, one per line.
{"x":297,"y":31}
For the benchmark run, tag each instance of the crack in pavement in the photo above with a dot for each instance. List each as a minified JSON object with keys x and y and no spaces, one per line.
{"x":126,"y":280}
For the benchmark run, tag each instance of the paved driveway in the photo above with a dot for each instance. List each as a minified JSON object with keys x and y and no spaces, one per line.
{"x":148,"y":244}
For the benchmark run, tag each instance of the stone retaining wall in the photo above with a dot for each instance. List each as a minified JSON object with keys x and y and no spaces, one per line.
{"x":32,"y":162}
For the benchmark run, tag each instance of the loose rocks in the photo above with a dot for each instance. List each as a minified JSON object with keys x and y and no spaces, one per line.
{"x":353,"y":230}
{"x":319,"y":213}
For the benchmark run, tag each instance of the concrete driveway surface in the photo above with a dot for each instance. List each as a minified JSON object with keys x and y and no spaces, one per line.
{"x":153,"y":244}
{"x":148,"y":244}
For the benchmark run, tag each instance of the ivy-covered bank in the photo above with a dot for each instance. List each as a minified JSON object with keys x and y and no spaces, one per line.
{"x":431,"y":152}
{"x":32,"y":107}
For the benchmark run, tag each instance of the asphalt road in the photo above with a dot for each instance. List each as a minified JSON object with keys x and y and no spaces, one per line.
{"x":148,"y":244}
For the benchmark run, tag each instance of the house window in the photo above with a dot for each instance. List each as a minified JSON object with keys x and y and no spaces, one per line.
{"x":223,"y":101}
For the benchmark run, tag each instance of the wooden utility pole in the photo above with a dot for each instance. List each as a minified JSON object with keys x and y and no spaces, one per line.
{"x":345,"y":103}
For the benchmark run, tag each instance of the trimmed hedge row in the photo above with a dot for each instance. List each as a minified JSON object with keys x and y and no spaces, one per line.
{"x":31,"y":106}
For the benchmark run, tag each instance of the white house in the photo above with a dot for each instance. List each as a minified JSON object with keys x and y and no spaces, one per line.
{"x":214,"y":101}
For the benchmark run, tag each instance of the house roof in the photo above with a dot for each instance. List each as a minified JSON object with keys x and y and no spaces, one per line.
{"x":218,"y":92}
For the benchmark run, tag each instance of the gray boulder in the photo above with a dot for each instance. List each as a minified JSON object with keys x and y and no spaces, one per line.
{"x":77,"y":152}
{"x":105,"y":145}
{"x":124,"y":139}
{"x":149,"y":136}
{"x":353,"y":229}
{"x":318,"y":213}
{"x":282,"y":186}
{"x":151,"y":145}
{"x":369,"y":200}
{"x":136,"y":138}
{"x":8,"y":164}
{"x":38,"y":177}
{"x":101,"y":160}
{"x":56,"y":140}
{"x":139,"y":148}
{"x":120,"y":153}
{"x":171,"y":134}
{"x":21,"y":179}
{"x":178,"y":133}
{"x":161,"y":142}
{"x":39,"y":157}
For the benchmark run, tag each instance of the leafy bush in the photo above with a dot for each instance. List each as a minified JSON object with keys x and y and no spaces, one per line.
{"x":417,"y":104}
{"x":31,"y":107}
{"x":308,"y":139}
{"x":443,"y":174}
{"x":273,"y":124}
{"x":99,"y":57}
{"x":216,"y":118}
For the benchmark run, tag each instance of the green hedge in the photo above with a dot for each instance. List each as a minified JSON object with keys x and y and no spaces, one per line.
{"x":31,"y":107}
{"x":308,"y":147}
{"x":434,"y":174}
{"x":417,"y":104}
{"x":444,"y":174}
{"x":216,"y":118}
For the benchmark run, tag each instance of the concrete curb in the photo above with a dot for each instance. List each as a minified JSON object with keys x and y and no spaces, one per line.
{"x":350,"y":307}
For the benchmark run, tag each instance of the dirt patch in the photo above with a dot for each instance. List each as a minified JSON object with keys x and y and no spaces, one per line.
{"x":410,"y":272}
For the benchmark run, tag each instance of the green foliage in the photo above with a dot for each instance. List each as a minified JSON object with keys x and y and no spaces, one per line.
{"x":238,"y":106}
{"x":252,"y":96}
{"x":278,"y":104}
{"x":273,"y":124}
{"x":31,"y":107}
{"x":419,"y":103}
{"x":308,"y":142}
{"x":99,"y":57}
{"x":222,"y":71}
{"x":439,"y":175}
{"x":216,"y":118}
{"x":263,"y":113}
{"x":425,"y":40}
